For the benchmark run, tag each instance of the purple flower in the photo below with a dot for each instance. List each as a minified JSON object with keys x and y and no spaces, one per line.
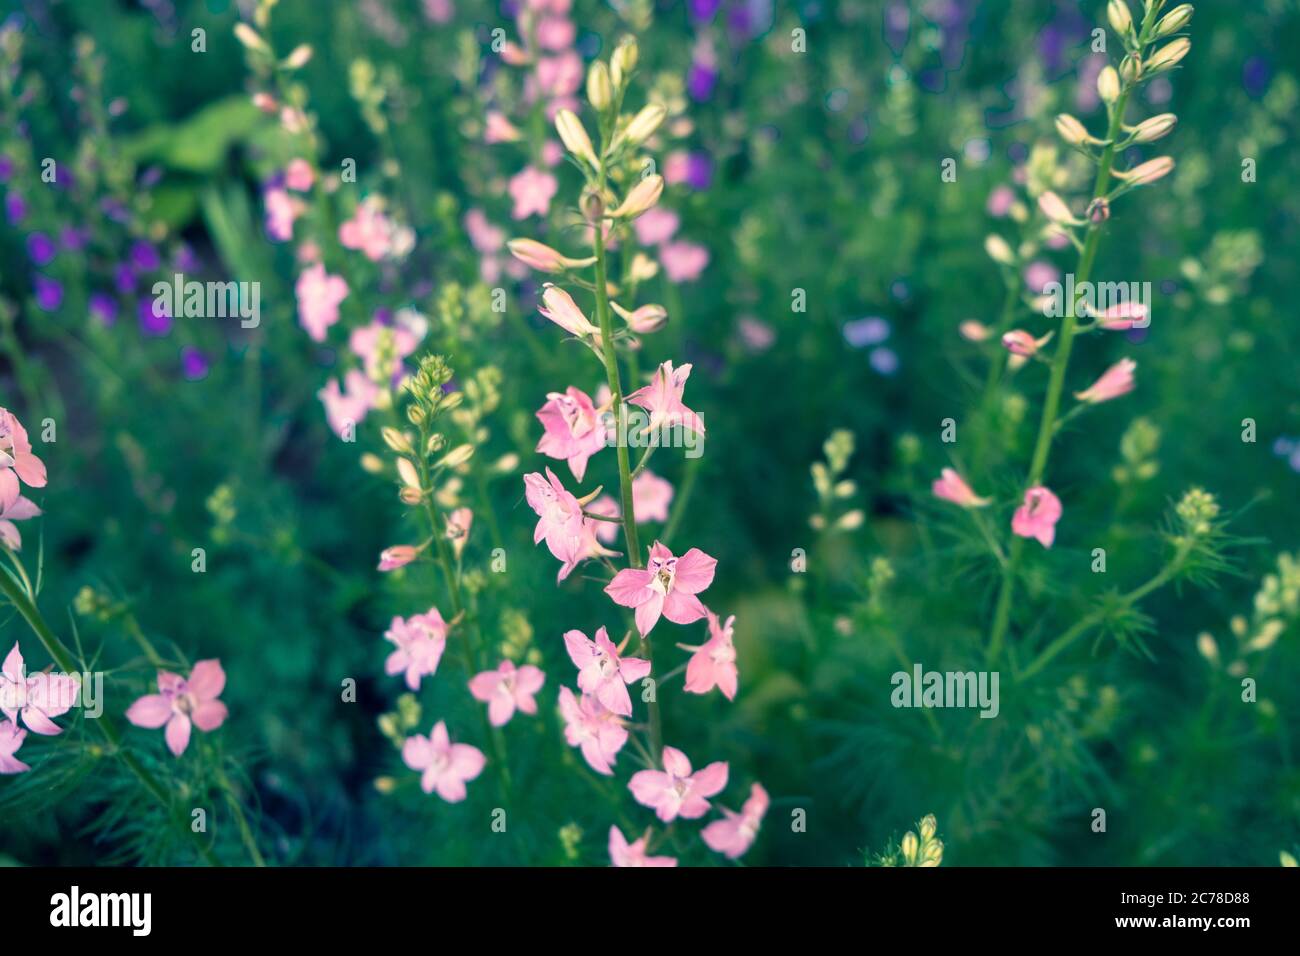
{"x":49,"y":293}
{"x":703,"y":11}
{"x":699,"y":171}
{"x":701,"y":81}
{"x":41,"y":248}
{"x":74,"y":238}
{"x":103,"y":307}
{"x":6,"y":168}
{"x":863,"y":332}
{"x":144,"y":257}
{"x":151,"y":321}
{"x":124,"y":278}
{"x":15,"y":208}
{"x":194,"y":365}
{"x":884,"y":360}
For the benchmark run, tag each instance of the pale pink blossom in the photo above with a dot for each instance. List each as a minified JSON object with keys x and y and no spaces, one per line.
{"x":439,"y":11}
{"x":555,"y":33}
{"x":733,"y":835}
{"x":445,"y":767}
{"x":1115,"y":381}
{"x":572,"y":429}
{"x":499,"y":129}
{"x":667,"y":586}
{"x":622,"y":853}
{"x":757,"y":336}
{"x":651,"y":496}
{"x":369,"y":230}
{"x":595,"y":729}
{"x":483,"y":236}
{"x":398,"y":556}
{"x":16,"y":460}
{"x":345,"y":409}
{"x":319,"y":295}
{"x":506,"y":690}
{"x":420,"y":641}
{"x":35,"y":697}
{"x":382,"y":348}
{"x":552,"y":152}
{"x":662,"y":398}
{"x":676,"y":792}
{"x":11,"y":738}
{"x":1020,"y":342}
{"x":281,"y":211}
{"x":683,"y":261}
{"x":298,"y":175}
{"x":564,"y":312}
{"x":560,"y":76}
{"x":1000,"y":201}
{"x":181,"y":704}
{"x":606,"y":531}
{"x":1037,"y":517}
{"x":657,"y":225}
{"x":950,"y":486}
{"x":973,"y":330}
{"x":20,"y":510}
{"x":1122,"y":316}
{"x":532,"y":190}
{"x":458,"y":524}
{"x":714,"y":662}
{"x":1039,"y":275}
{"x":602,"y":672}
{"x":559,"y":519}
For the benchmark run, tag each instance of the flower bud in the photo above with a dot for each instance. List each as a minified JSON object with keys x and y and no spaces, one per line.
{"x":909,"y":847}
{"x":395,"y":440}
{"x":1121,"y":21}
{"x":599,"y":93}
{"x":647,"y":319}
{"x":1169,"y":55}
{"x":1020,"y":342}
{"x":1098,"y":210}
{"x":407,"y":472}
{"x":543,"y":258}
{"x":1174,"y":20}
{"x":1207,"y":648}
{"x":1148,"y":172}
{"x":1152,"y":129}
{"x":1055,"y":209}
{"x":1108,"y":84}
{"x":999,"y":251}
{"x":640,"y":198}
{"x":297,"y":59}
{"x":456,"y":457}
{"x":397,"y":556}
{"x":642,"y":126}
{"x":927,"y":827}
{"x":1130,"y":68}
{"x":1074,"y":132}
{"x":623,"y":61}
{"x":574,"y":136}
{"x":250,"y":38}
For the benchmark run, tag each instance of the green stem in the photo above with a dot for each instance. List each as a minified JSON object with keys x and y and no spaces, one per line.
{"x":1055,"y":385}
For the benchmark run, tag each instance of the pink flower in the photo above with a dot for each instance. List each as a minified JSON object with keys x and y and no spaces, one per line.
{"x":564,"y":312}
{"x":382,"y":347}
{"x":555,"y":34}
{"x":651,"y":496}
{"x":1040,"y":274}
{"x":499,"y":129}
{"x":1000,"y":201}
{"x":458,"y":525}
{"x":506,"y":689}
{"x":1037,"y":517}
{"x":180,"y":703}
{"x":532,"y":189}
{"x":11,"y":738}
{"x":683,"y":261}
{"x":446,"y":766}
{"x":398,"y":556}
{"x":733,"y":835}
{"x":950,"y":486}
{"x":622,"y":853}
{"x":1122,"y":316}
{"x":602,"y":672}
{"x":655,"y":226}
{"x":675,"y":791}
{"x":1020,"y":342}
{"x":714,"y":662}
{"x":344,"y":410}
{"x":606,"y":531}
{"x":560,"y":76}
{"x":757,"y":336}
{"x":974,"y":331}
{"x":560,"y":520}
{"x":662,"y":398}
{"x":420,"y":641}
{"x":20,"y":510}
{"x":298,"y":175}
{"x":1115,"y":381}
{"x":667,"y":586}
{"x":483,"y":236}
{"x":37,"y":697}
{"x":319,"y":295}
{"x":281,"y":211}
{"x":369,"y":230}
{"x":16,"y":460}
{"x":598,"y":731}
{"x":572,"y":429}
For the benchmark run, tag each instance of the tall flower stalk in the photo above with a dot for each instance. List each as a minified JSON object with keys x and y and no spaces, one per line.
{"x":1143,"y":60}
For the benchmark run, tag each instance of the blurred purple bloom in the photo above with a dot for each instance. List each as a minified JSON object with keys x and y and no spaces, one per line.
{"x":884,"y":360}
{"x":103,"y":307}
{"x":1255,"y":75}
{"x":41,"y":248}
{"x":703,"y":11}
{"x":49,"y":293}
{"x":6,"y":168}
{"x":151,"y":322}
{"x":701,"y":81}
{"x":15,"y":208}
{"x":124,"y":277}
{"x":144,"y":257}
{"x":74,"y":238}
{"x":194,"y":365}
{"x":863,"y":332}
